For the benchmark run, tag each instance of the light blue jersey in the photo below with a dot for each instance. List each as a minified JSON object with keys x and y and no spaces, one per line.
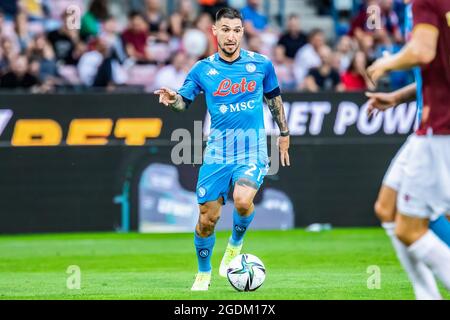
{"x":237,"y":143}
{"x":409,"y":25}
{"x":234,"y":97}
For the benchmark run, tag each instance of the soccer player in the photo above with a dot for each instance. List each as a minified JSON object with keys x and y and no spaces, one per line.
{"x":424,"y":189}
{"x":234,"y":81}
{"x":385,"y":205}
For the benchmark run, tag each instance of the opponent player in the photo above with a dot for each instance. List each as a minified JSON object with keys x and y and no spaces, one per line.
{"x":385,"y":206}
{"x":424,"y":189}
{"x":234,"y":81}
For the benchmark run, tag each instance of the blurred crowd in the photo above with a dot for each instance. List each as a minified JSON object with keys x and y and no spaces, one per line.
{"x":51,"y":45}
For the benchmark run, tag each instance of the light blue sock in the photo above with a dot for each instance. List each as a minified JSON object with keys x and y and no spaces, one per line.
{"x":204,"y":248}
{"x":240,"y":225}
{"x":441,"y":227}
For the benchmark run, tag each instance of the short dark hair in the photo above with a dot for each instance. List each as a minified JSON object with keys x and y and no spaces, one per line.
{"x":229,"y":13}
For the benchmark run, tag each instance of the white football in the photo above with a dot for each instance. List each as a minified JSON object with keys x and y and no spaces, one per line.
{"x":246,"y":272}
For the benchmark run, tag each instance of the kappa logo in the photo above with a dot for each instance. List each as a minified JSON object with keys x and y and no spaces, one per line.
{"x":212,"y":72}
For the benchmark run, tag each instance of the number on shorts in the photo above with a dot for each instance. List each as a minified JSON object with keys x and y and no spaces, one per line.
{"x":249,"y":172}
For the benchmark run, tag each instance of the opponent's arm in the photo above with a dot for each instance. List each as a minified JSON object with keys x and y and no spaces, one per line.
{"x":276,"y":108}
{"x":171,"y":99}
{"x":385,"y":100}
{"x":420,"y":50}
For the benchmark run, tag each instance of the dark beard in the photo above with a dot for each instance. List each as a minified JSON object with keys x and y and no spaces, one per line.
{"x":226,"y":52}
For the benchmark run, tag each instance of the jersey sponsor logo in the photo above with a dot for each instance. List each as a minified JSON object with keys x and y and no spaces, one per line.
{"x":212,"y":72}
{"x":226,"y":87}
{"x":223,"y":108}
{"x":250,"y":67}
{"x":237,"y":107}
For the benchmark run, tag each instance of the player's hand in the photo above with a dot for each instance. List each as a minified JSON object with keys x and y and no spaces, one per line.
{"x":378,"y":68}
{"x":166,"y":96}
{"x":379,"y":101}
{"x":283,"y":144}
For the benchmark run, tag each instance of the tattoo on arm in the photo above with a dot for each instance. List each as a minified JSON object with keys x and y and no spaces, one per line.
{"x":178,"y":105}
{"x":277,"y":110}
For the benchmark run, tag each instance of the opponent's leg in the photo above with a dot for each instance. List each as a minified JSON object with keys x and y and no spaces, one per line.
{"x":421,"y":277}
{"x":425,"y":246}
{"x":243,"y":195}
{"x":204,"y":240}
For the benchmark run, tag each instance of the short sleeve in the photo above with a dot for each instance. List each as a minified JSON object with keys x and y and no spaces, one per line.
{"x":191,"y":86}
{"x":270,"y":82}
{"x":424,"y":13}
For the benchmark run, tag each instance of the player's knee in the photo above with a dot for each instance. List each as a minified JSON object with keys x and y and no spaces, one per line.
{"x":384,"y":212}
{"x":207,"y":222}
{"x":407,"y":235}
{"x":242,"y":205}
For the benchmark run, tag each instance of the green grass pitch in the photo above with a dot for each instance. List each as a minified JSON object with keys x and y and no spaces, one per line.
{"x":300,"y":265}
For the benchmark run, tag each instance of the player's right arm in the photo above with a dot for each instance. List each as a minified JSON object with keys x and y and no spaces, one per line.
{"x":384,"y":100}
{"x":171,"y":99}
{"x":179,"y":101}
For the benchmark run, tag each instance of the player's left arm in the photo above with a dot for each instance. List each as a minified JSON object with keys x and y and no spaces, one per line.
{"x":420,"y":50}
{"x":275,"y":104}
{"x":276,"y":108}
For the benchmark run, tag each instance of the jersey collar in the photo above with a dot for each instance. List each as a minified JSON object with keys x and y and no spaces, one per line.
{"x":230,"y":62}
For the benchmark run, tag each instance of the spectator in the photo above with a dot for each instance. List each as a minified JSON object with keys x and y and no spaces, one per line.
{"x":154,"y":17}
{"x":91,"y":20}
{"x":110,"y":33}
{"x":345,"y":51}
{"x":18,"y":76}
{"x":204,"y":23}
{"x":293,"y":39}
{"x":173,"y":75}
{"x":359,"y":25}
{"x":98,"y":68}
{"x":66,"y":43}
{"x":255,"y":44}
{"x":323,"y":77}
{"x":283,"y":69}
{"x":211,"y":7}
{"x":41,"y":51}
{"x":390,"y":21}
{"x":254,"y":22}
{"x":23,"y":34}
{"x":10,"y":51}
{"x":355,"y":78}
{"x":308,"y":57}
{"x":135,"y":38}
{"x":182,"y":19}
